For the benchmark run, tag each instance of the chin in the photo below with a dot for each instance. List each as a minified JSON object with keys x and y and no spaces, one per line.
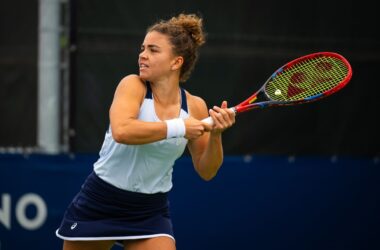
{"x":144,"y":78}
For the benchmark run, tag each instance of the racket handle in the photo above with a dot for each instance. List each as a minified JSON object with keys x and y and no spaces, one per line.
{"x":210,"y":121}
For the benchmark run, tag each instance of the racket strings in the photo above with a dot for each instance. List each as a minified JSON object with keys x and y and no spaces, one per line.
{"x":306,"y":79}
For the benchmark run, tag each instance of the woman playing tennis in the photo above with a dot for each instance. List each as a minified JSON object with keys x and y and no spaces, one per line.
{"x":152,"y":119}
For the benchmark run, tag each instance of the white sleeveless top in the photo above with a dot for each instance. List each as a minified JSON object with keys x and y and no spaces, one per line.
{"x":145,"y":168}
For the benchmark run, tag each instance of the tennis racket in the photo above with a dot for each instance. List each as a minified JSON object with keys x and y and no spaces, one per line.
{"x":305,"y":79}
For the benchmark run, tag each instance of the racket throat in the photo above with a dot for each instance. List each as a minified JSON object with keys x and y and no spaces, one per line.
{"x":234,"y":110}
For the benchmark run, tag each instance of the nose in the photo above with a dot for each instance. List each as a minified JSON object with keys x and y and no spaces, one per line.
{"x":143,"y":54}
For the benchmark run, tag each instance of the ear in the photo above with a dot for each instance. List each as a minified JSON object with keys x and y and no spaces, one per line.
{"x":177,"y":63}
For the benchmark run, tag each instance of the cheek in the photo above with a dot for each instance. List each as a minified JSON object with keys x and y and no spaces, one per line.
{"x":162,"y":64}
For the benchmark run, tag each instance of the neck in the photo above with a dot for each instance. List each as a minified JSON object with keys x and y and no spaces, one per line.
{"x":166,"y":92}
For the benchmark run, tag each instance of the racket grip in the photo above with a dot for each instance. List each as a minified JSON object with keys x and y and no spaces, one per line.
{"x":210,"y":121}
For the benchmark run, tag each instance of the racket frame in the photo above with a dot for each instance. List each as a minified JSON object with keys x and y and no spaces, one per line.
{"x":250,"y":103}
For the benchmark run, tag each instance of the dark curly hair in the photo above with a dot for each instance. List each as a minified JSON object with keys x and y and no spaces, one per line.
{"x":185,"y":32}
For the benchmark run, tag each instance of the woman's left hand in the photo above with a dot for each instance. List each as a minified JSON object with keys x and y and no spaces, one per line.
{"x":223,"y":118}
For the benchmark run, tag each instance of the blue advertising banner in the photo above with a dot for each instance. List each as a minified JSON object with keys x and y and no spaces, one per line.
{"x":255,"y":202}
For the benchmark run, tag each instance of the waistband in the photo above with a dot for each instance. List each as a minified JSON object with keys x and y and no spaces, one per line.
{"x":103,"y":191}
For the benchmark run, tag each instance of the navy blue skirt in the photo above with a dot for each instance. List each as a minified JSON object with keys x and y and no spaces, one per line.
{"x":101,"y":211}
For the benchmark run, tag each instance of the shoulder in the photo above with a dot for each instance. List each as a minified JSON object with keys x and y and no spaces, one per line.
{"x":132,"y":81}
{"x":130,"y":88}
{"x":131,"y":84}
{"x":197,"y":106}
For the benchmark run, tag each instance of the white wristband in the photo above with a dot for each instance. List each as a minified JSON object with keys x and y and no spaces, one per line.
{"x":175,"y":128}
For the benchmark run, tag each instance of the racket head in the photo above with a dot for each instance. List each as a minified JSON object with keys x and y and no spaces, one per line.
{"x":308,"y":78}
{"x":302,"y":80}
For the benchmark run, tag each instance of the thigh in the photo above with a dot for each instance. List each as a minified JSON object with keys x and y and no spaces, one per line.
{"x":157,"y":243}
{"x":87,"y":245}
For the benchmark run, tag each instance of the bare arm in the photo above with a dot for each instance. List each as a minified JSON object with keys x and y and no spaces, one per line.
{"x":126,"y":128}
{"x":207,"y":150}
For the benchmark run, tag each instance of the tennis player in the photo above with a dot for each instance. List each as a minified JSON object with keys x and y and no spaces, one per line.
{"x":152,"y":119}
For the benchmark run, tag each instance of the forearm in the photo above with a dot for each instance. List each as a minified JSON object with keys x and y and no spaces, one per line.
{"x":212,"y":158}
{"x":135,"y":131}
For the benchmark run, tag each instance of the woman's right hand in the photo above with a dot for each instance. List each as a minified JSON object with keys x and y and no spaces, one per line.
{"x":195,"y":128}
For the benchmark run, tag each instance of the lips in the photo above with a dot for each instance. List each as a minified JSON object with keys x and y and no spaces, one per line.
{"x":143,"y":66}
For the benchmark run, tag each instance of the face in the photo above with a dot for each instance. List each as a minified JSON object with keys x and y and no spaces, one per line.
{"x":156,"y":59}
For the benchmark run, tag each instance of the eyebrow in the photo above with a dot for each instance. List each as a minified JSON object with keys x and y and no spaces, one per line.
{"x":151,"y":46}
